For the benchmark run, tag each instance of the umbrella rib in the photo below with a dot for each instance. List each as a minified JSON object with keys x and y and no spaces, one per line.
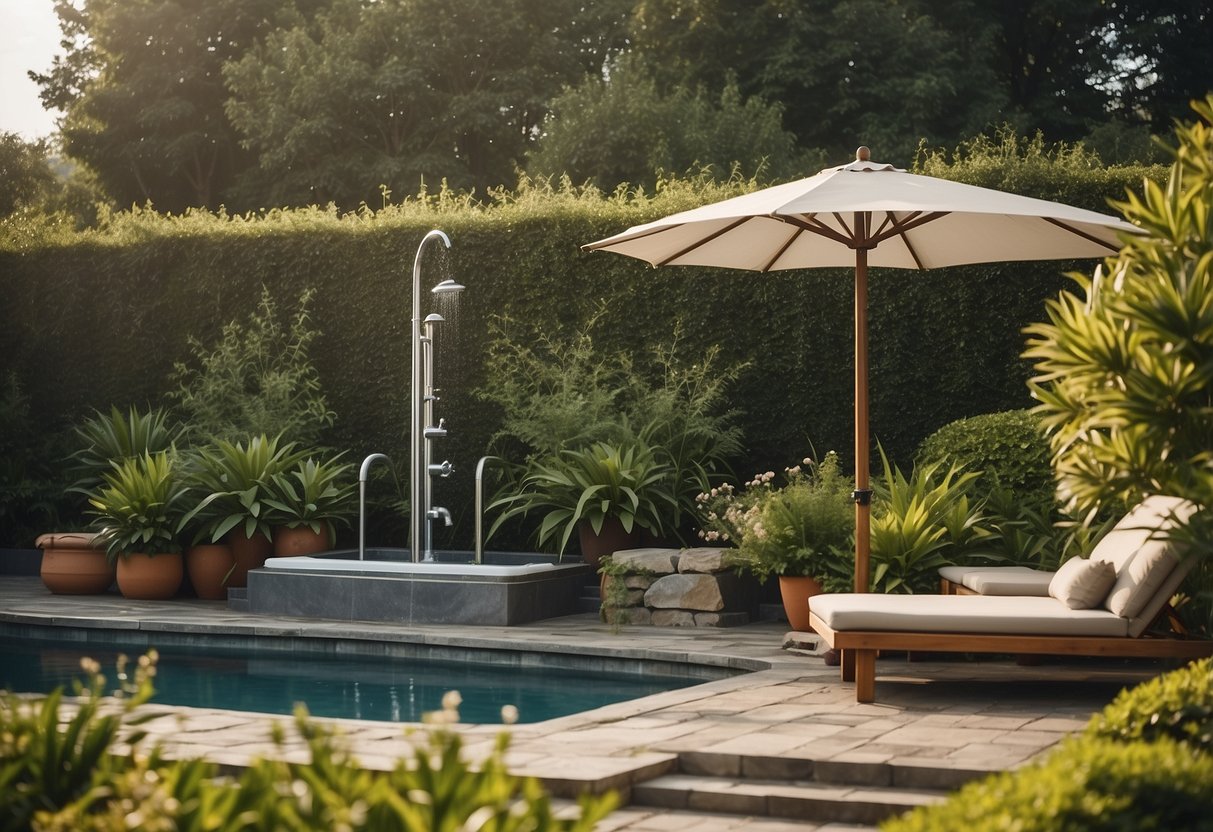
{"x":810,"y":223}
{"x":900,"y":228}
{"x":795,"y":234}
{"x":703,"y":241}
{"x":1083,"y":234}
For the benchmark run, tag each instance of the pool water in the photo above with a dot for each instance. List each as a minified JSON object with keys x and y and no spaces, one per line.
{"x":357,"y":687}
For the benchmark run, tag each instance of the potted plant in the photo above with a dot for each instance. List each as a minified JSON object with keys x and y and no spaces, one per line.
{"x":74,"y":563}
{"x":791,"y":531}
{"x":138,"y":510}
{"x":606,"y":492}
{"x":236,"y":478}
{"x":306,"y":501}
{"x":117,"y":436}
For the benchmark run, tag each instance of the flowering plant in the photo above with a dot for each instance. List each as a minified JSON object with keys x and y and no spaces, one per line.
{"x":789,"y":530}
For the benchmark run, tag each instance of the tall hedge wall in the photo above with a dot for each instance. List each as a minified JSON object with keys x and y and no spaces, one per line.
{"x":98,"y":317}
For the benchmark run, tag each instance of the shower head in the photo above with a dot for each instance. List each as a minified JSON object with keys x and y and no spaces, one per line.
{"x":447,"y":287}
{"x":433,"y":318}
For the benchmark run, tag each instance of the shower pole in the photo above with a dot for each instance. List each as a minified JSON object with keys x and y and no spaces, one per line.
{"x":418,"y":474}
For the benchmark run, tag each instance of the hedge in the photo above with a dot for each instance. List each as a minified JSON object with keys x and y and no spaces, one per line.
{"x":97,"y":317}
{"x":1144,"y":762}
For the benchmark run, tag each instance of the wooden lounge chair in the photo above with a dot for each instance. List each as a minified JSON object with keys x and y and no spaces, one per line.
{"x":1144,"y":569}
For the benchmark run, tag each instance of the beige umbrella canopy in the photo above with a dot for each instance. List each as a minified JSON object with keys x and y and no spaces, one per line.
{"x":868,"y":214}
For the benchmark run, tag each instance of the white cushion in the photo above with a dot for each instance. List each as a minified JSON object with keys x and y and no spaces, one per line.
{"x":1142,"y":525}
{"x":1140,"y":579}
{"x":962,"y":614}
{"x":1081,"y":584}
{"x":999,"y":580}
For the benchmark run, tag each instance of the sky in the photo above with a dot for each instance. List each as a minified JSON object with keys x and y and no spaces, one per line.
{"x":29,"y":39}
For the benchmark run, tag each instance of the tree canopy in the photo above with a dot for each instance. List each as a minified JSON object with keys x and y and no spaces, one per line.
{"x":262,"y":103}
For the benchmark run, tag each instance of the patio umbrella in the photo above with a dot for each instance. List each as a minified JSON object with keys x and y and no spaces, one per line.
{"x":868,"y":214}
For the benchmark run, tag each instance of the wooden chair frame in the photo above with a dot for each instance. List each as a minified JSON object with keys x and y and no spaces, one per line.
{"x":858,"y":648}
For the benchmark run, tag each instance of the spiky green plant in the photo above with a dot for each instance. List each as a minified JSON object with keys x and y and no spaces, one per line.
{"x":237,"y":481}
{"x":140,"y":505}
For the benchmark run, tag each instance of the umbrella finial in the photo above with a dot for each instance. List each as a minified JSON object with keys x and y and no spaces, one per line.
{"x":863,"y":154}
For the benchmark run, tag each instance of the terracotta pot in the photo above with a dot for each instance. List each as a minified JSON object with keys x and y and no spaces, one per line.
{"x":300,"y":540}
{"x":150,"y":577}
{"x":249,"y":552}
{"x":71,"y":566}
{"x":796,"y":592}
{"x":610,"y":540}
{"x":210,"y":567}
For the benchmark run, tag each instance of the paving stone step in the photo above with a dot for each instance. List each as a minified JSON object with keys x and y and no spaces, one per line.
{"x":649,"y":819}
{"x":903,"y":773}
{"x":791,"y":799}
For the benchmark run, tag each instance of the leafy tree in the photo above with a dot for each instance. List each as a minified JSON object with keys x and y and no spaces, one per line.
{"x":142,"y":93}
{"x":26,"y":177}
{"x":1125,"y":367}
{"x":623,"y":129}
{"x":1161,"y":50}
{"x":399,"y":92}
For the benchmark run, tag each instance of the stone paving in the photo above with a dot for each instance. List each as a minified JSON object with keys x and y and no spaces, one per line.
{"x":975,"y":715}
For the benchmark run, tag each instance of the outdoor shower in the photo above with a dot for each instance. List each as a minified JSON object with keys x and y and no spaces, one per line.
{"x":423,"y":431}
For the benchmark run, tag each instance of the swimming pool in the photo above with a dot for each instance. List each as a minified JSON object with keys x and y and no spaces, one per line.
{"x":342,"y":679}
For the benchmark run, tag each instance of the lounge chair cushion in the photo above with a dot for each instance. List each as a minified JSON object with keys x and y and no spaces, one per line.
{"x":1081,"y":584}
{"x":1139,"y":580}
{"x":999,"y":580}
{"x":963,"y":614}
{"x":1142,"y":527}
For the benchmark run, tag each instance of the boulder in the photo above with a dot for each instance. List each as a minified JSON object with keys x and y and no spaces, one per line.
{"x":687,"y":592}
{"x":703,"y":559}
{"x":656,"y":561}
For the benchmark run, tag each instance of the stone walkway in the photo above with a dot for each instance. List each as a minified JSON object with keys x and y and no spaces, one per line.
{"x":790,"y":713}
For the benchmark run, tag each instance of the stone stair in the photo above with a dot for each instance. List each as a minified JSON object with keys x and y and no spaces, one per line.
{"x":590,"y":599}
{"x":820,"y":792}
{"x":237,"y":598}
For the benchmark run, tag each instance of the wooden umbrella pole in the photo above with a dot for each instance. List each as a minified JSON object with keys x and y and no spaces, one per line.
{"x":863,"y":494}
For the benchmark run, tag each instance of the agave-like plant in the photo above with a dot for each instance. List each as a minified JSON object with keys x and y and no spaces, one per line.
{"x":315,"y":493}
{"x":590,"y":484}
{"x":117,"y":436}
{"x":139,"y":507}
{"x":237,"y":479}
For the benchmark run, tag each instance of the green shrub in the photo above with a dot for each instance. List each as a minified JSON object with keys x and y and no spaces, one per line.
{"x":108,"y":439}
{"x":1008,"y":449}
{"x":79,"y":779}
{"x":559,"y":394}
{"x":789,"y":530}
{"x":258,"y":379}
{"x":920,"y":523}
{"x":1085,"y":784}
{"x":1177,"y":705}
{"x":31,"y":487}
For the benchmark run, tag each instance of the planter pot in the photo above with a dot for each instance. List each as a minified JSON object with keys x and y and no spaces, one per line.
{"x":210,"y":567}
{"x":71,"y":566}
{"x":300,"y":540}
{"x":796,"y":592}
{"x":249,"y":553}
{"x":611,"y":539}
{"x":150,"y":577}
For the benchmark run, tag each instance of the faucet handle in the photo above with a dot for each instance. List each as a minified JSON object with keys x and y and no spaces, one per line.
{"x":442,"y":469}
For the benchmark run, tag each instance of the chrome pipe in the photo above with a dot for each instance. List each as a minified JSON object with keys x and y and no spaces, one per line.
{"x":363,"y":473}
{"x":479,"y":551}
{"x":418,"y":476}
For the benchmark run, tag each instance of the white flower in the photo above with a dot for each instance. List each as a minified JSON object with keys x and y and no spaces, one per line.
{"x":509,"y":714}
{"x":451,"y":700}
